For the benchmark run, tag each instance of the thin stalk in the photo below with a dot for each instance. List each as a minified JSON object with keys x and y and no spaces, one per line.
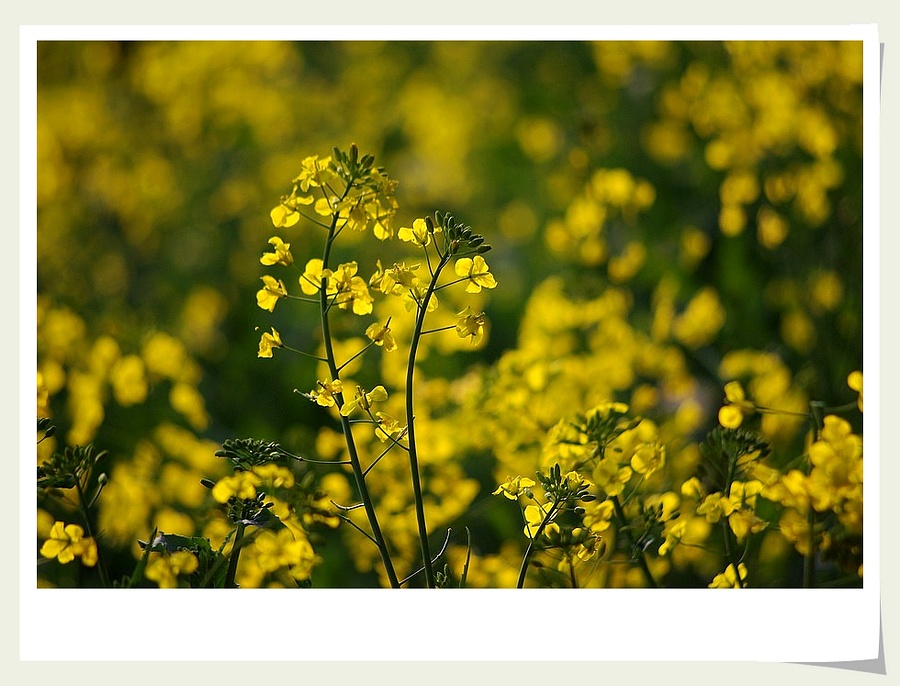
{"x":523,"y":570}
{"x":411,"y":431}
{"x":642,"y":559}
{"x":817,"y":423}
{"x":346,"y":427}
{"x":235,"y":556}
{"x":733,"y":560}
{"x":82,"y":501}
{"x":355,"y":355}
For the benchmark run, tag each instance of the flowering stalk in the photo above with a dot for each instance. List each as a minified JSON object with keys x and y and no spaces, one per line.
{"x":346,"y":428}
{"x":410,"y":423}
{"x":366,"y":199}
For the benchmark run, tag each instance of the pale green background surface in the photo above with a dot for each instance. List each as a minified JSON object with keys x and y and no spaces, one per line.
{"x":561,"y":668}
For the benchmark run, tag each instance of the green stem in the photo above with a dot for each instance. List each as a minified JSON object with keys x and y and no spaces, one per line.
{"x":346,"y":427}
{"x":817,"y":423}
{"x":733,"y":559}
{"x":235,"y":556}
{"x":727,"y":534}
{"x":523,"y":570}
{"x":85,"y":513}
{"x":411,"y":430}
{"x":642,"y":559}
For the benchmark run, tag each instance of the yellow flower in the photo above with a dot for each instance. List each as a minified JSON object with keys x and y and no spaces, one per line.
{"x":743,"y":522}
{"x":599,"y":514}
{"x":395,"y":280}
{"x":534,"y":515}
{"x":612,"y":477}
{"x":701,"y":321}
{"x":513,"y":487}
{"x":165,"y":568}
{"x":314,"y":173}
{"x":241,"y":485}
{"x":470,"y":325}
{"x":275,"y":550}
{"x":381,"y":335}
{"x":271,"y":293}
{"x":648,"y":458}
{"x":732,"y":414}
{"x":712,"y":507}
{"x":268,"y":342}
{"x":67,"y":541}
{"x":284,"y":216}
{"x":311,"y":280}
{"x":276,"y":475}
{"x":282,"y":254}
{"x":128,"y":378}
{"x":352,"y":290}
{"x":418,"y":234}
{"x":477,"y":272}
{"x":324,"y":395}
{"x":728,"y":578}
{"x":363,"y":400}
{"x":388,"y":427}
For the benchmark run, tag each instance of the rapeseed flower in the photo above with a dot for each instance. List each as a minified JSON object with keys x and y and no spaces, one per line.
{"x":470,"y":325}
{"x":67,"y":541}
{"x":352,"y":290}
{"x":272,"y":291}
{"x":165,"y":568}
{"x":268,"y":342}
{"x":281,"y":254}
{"x":382,"y":336}
{"x":736,"y":407}
{"x":420,"y":233}
{"x":324,"y":395}
{"x":513,"y":487}
{"x":363,"y":400}
{"x":729,"y":579}
{"x":477,"y":272}
{"x":240,"y":485}
{"x":311,"y":279}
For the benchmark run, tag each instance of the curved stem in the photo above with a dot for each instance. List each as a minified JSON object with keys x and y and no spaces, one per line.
{"x":346,"y":427}
{"x":85,"y":512}
{"x":530,"y":549}
{"x":411,"y":431}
